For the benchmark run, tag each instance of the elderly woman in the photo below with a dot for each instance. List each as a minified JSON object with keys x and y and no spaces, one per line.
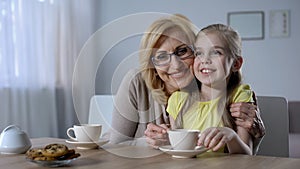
{"x":166,"y":59}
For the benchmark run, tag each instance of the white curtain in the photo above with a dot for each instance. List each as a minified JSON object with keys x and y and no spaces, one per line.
{"x":39,"y":43}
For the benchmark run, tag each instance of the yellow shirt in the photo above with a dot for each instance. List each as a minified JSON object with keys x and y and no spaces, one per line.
{"x":202,"y":115}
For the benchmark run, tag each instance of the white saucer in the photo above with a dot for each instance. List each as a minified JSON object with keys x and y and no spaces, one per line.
{"x":88,"y":145}
{"x":182,"y":153}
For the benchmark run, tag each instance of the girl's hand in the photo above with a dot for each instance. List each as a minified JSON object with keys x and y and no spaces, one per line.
{"x":216,"y":137}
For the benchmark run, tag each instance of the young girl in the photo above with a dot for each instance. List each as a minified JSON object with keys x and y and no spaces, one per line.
{"x":217,"y":67}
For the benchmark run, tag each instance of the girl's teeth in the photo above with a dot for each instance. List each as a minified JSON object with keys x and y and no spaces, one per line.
{"x":206,"y":71}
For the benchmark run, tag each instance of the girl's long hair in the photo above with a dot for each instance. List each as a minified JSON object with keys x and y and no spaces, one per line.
{"x":233,"y":48}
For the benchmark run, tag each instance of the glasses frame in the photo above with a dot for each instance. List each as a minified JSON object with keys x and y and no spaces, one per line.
{"x":173,"y":54}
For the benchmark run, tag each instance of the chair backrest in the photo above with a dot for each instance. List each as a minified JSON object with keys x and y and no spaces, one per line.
{"x":274,"y":112}
{"x":294,"y":114}
{"x":101,"y":107}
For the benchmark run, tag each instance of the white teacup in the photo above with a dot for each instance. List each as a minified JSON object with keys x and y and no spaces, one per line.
{"x":183,"y":139}
{"x":85,"y":132}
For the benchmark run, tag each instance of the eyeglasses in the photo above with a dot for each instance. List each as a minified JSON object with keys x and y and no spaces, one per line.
{"x":182,"y":52}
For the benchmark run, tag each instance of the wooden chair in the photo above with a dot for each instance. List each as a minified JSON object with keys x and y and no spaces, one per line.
{"x":274,"y":112}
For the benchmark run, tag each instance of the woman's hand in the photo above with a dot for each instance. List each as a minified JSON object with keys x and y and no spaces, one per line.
{"x":216,"y":137}
{"x":156,"y":135}
{"x":247,"y":115}
{"x":244,"y":113}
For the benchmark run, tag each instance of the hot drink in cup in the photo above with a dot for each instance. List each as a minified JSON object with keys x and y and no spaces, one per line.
{"x":85,"y":132}
{"x":183,"y":139}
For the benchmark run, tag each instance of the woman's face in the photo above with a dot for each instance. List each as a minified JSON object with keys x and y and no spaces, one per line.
{"x":178,"y":73}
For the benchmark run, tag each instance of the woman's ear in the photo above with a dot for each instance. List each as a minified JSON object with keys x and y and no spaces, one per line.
{"x":237,"y":64}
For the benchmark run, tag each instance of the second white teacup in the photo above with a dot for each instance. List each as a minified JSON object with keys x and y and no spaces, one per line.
{"x":183,"y":139}
{"x":85,"y":132}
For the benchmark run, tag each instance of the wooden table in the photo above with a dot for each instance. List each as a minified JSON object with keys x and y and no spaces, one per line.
{"x":106,"y":158}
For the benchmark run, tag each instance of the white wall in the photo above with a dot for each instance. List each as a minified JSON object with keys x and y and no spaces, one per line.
{"x":271,"y":65}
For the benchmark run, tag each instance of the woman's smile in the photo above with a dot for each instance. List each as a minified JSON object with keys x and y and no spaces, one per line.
{"x":178,"y":74}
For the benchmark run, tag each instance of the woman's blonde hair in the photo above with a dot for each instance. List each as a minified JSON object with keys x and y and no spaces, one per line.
{"x":233,"y":49}
{"x":152,"y":39}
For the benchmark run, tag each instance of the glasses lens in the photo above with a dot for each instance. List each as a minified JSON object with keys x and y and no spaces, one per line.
{"x":161,"y":59}
{"x":181,"y":51}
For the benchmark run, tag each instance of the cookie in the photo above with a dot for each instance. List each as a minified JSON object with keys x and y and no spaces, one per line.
{"x":55,"y":150}
{"x":70,"y":155}
{"x":52,"y":152}
{"x":34,"y":152}
{"x":43,"y":158}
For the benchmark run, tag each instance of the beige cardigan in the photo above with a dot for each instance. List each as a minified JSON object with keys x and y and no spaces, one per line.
{"x":134,"y":108}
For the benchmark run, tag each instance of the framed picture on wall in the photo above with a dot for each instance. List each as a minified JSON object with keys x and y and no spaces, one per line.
{"x":250,"y":24}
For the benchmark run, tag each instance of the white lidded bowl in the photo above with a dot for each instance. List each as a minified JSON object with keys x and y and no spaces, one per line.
{"x":14,"y":141}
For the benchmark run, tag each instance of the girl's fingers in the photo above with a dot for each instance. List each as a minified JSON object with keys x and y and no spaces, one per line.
{"x":215,"y":140}
{"x":210,"y":135}
{"x":220,"y":144}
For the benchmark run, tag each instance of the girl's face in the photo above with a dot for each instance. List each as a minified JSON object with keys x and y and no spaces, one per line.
{"x":178,"y":73}
{"x":212,"y":65}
